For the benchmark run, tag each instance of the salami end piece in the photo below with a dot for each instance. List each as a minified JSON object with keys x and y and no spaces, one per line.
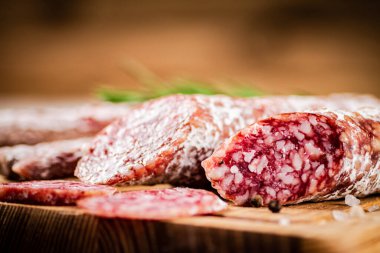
{"x":155,"y":204}
{"x":49,"y":160}
{"x":296,"y":157}
{"x":35,"y":125}
{"x":52,"y":193}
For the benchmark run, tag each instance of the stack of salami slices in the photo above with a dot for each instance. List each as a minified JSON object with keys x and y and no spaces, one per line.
{"x":288,"y":149}
{"x":46,"y":143}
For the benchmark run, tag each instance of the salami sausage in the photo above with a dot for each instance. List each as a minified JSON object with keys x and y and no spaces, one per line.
{"x":48,"y":160}
{"x":31,"y":126}
{"x":154,"y":204}
{"x":162,"y":141}
{"x":165,"y":140}
{"x":296,"y":157}
{"x":54,"y":192}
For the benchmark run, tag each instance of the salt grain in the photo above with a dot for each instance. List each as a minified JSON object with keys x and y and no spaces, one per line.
{"x":373,"y":208}
{"x":339,"y":215}
{"x":357,"y":212}
{"x":284,"y":221}
{"x":351,"y":200}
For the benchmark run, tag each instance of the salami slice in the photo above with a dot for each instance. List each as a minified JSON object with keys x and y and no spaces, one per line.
{"x":49,"y":160}
{"x":154,"y":204}
{"x":31,"y":126}
{"x":296,"y":157}
{"x":162,"y":141}
{"x":165,"y":140}
{"x":54,"y":192}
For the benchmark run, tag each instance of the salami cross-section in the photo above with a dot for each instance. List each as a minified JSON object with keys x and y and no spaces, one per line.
{"x":48,"y":160}
{"x":297,"y":157}
{"x":54,"y":192}
{"x":154,"y":204}
{"x":165,"y":140}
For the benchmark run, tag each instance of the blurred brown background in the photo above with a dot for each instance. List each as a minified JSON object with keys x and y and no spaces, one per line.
{"x":70,"y":47}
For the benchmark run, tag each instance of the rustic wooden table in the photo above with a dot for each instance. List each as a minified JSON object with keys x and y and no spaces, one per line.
{"x":310,"y":228}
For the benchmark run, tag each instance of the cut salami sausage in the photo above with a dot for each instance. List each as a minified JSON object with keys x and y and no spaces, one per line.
{"x":54,"y":193}
{"x":296,"y":157}
{"x":155,"y":204}
{"x":165,"y":140}
{"x":49,"y":160}
{"x":31,"y":126}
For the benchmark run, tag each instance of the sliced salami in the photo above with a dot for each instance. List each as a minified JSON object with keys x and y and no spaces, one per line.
{"x":296,"y":157}
{"x":158,"y":142}
{"x":35,"y":125}
{"x":48,"y":160}
{"x":165,"y":140}
{"x":155,"y":204}
{"x":52,"y":193}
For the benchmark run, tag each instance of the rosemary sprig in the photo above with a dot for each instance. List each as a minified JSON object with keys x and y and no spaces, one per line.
{"x":118,"y":96}
{"x":151,"y":86}
{"x":178,"y":86}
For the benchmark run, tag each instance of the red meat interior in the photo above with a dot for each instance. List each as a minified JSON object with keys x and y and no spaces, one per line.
{"x":285,"y":158}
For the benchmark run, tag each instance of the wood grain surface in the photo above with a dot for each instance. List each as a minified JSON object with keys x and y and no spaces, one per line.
{"x":28,"y":228}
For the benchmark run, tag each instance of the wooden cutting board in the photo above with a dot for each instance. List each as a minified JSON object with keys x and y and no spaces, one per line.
{"x":27,"y":228}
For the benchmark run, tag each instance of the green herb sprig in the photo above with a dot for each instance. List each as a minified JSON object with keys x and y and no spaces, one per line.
{"x":152,"y":86}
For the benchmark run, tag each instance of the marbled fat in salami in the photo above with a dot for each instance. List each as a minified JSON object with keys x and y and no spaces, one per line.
{"x":50,"y":192}
{"x":296,"y":157}
{"x":165,"y":140}
{"x":155,"y":204}
{"x":48,"y":160}
{"x":35,"y":125}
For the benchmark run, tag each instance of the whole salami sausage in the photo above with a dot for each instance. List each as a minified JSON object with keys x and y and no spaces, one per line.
{"x":296,"y":157}
{"x":165,"y":140}
{"x":47,"y":160}
{"x":35,"y":125}
{"x":50,"y":192}
{"x":154,"y":204}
